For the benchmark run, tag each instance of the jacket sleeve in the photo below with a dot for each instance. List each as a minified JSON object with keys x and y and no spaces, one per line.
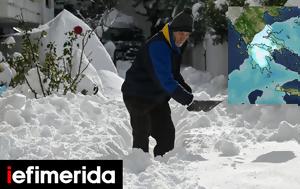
{"x":161,"y":64}
{"x":178,"y":77}
{"x":181,"y":81}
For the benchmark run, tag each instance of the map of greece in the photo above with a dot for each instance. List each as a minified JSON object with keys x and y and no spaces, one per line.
{"x":264,"y":55}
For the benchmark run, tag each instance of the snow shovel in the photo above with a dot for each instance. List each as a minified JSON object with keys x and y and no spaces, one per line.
{"x":204,"y":105}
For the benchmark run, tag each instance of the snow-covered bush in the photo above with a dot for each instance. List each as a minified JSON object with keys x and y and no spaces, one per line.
{"x":6,"y":73}
{"x":53,"y":74}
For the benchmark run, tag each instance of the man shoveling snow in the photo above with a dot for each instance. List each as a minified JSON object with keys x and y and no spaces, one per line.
{"x":152,"y":80}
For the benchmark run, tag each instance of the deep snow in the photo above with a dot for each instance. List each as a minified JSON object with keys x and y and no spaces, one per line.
{"x":65,"y":22}
{"x":259,"y":145}
{"x":230,"y":147}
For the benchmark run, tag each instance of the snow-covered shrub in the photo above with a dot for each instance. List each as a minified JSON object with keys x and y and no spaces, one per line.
{"x":53,"y":74}
{"x":5,"y":71}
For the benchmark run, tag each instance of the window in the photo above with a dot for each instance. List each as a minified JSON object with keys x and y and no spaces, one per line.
{"x":48,"y":4}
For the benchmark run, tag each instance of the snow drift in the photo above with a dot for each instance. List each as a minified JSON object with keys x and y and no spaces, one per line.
{"x":94,"y":54}
{"x":240,"y":141}
{"x":65,"y":22}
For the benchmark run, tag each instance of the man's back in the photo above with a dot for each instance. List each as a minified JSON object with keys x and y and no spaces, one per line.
{"x":141,"y":78}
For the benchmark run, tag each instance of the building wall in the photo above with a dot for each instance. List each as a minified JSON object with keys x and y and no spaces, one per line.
{"x":34,"y":11}
{"x":81,"y":5}
{"x":78,"y":4}
{"x":217,"y":59}
{"x":211,"y":58}
{"x":198,"y":57}
{"x":47,"y":10}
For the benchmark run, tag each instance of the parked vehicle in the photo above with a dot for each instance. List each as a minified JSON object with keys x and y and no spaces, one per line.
{"x":127,"y":41}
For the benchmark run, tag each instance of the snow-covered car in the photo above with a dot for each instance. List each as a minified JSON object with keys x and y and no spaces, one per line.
{"x":127,"y":41}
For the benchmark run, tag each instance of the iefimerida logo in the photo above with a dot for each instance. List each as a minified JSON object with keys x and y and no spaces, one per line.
{"x":35,"y":175}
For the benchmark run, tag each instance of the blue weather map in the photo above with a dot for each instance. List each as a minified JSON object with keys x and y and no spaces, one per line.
{"x":264,"y":55}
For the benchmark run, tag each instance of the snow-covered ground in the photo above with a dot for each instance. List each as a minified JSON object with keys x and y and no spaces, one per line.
{"x":230,"y":147}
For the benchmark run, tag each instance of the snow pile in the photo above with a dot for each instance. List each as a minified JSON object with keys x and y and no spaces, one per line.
{"x":110,"y":48}
{"x":9,"y":41}
{"x":6,"y":73}
{"x":123,"y":66}
{"x":10,"y":109}
{"x":228,"y":140}
{"x":286,"y":132}
{"x":111,"y":83}
{"x":65,"y":22}
{"x":62,"y":127}
{"x":16,"y":101}
{"x":205,"y":82}
{"x":94,"y":57}
{"x":227,"y":148}
{"x":91,"y":82}
{"x":137,"y":161}
{"x":265,"y":116}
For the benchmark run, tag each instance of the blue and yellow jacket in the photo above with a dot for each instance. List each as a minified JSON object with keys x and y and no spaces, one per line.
{"x":155,"y":73}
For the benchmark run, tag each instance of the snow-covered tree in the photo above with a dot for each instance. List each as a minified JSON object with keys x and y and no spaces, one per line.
{"x":209,"y":14}
{"x":215,"y":16}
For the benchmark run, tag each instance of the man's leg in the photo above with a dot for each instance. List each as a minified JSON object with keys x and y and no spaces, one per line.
{"x":162,"y":129}
{"x":140,"y":131}
{"x":140,"y":122}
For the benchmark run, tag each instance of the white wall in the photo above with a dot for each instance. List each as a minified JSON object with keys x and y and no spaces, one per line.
{"x":198,"y":57}
{"x":216,"y":57}
{"x":47,"y":12}
{"x":34,"y":11}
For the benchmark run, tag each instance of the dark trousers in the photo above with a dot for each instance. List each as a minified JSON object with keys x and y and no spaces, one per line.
{"x":151,"y":119}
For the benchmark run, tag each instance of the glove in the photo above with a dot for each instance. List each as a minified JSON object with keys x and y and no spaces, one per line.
{"x":196,"y":106}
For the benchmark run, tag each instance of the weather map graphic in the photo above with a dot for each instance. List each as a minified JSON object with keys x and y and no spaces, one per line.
{"x":264,"y":55}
